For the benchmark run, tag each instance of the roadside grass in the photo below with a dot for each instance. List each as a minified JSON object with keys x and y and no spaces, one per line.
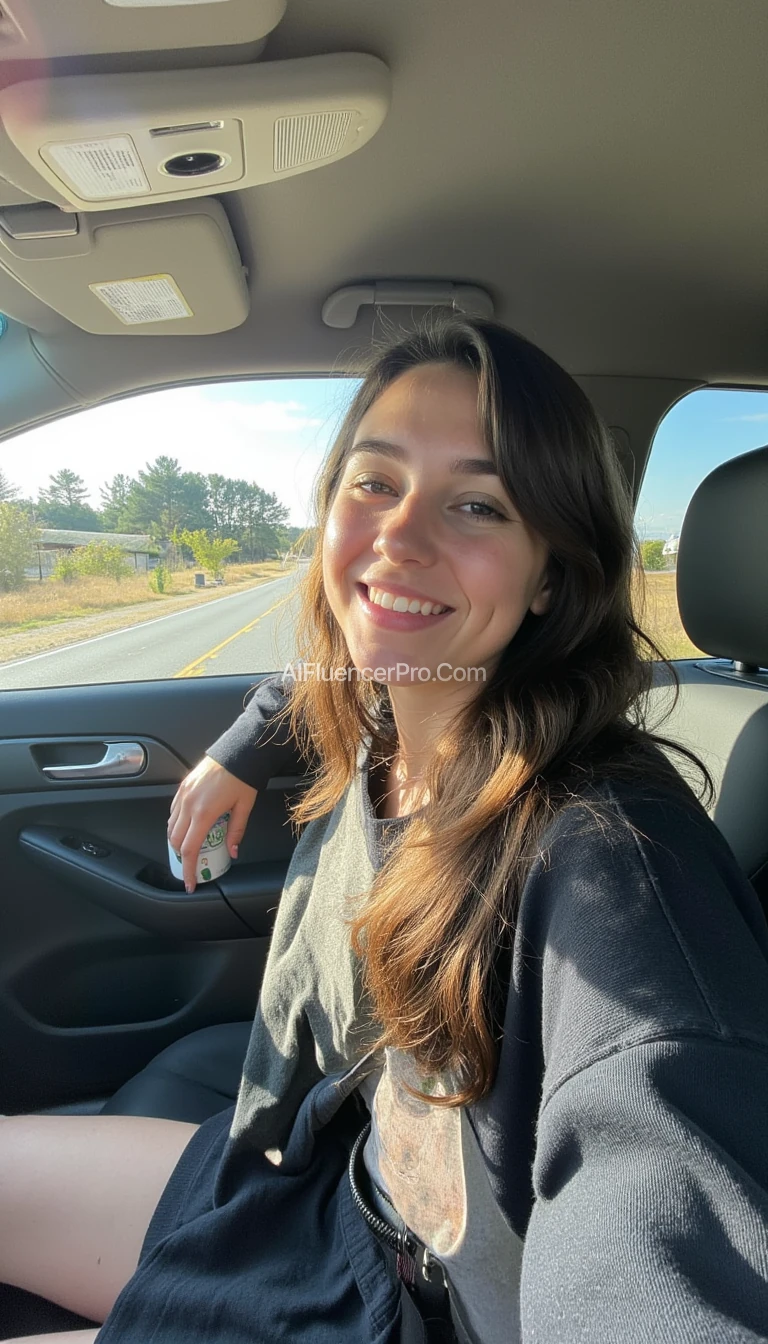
{"x":657,"y":615}
{"x":42,"y":604}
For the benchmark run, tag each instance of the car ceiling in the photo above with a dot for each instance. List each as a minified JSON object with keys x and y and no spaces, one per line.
{"x":598,"y":167}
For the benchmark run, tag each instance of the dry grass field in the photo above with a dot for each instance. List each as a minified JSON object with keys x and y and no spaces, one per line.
{"x":656,"y":613}
{"x":50,"y":602}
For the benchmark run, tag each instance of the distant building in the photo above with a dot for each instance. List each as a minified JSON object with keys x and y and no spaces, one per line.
{"x":55,"y":541}
{"x":671,"y":545}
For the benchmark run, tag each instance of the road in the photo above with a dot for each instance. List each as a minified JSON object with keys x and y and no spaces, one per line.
{"x":246,"y":632}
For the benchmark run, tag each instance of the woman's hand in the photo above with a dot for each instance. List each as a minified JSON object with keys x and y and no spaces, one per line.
{"x":200,"y":799}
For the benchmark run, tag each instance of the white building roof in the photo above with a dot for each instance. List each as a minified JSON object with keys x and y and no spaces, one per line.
{"x":135,"y":542}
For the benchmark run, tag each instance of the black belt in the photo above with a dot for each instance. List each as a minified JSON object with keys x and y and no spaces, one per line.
{"x":418,"y":1270}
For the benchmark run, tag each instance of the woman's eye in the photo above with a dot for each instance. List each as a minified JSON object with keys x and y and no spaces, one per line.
{"x":367,"y":481}
{"x":481,"y":504}
{"x":479,"y":508}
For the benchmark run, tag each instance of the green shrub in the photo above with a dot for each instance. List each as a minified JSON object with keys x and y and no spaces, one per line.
{"x":97,"y":559}
{"x":160,"y":579}
{"x":652,"y":553}
{"x":211,"y":553}
{"x":17,"y":536}
{"x":65,"y":568}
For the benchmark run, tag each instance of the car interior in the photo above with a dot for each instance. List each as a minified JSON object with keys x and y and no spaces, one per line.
{"x":204,"y":190}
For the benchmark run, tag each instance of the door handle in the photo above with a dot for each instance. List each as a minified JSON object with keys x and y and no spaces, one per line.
{"x":120,"y":761}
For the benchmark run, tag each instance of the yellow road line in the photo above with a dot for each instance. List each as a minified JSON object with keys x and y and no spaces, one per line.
{"x":195,"y":668}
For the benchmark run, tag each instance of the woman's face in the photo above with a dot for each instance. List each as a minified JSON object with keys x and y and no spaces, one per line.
{"x":420,"y":515}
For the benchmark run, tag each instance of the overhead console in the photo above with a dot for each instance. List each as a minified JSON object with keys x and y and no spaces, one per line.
{"x":115,"y":141}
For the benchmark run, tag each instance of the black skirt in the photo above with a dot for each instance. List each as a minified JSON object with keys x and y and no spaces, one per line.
{"x":240,"y":1251}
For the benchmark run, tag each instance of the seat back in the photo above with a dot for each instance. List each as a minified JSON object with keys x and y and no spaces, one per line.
{"x":722,"y":710}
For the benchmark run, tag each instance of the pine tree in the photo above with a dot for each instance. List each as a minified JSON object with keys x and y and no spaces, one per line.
{"x":114,"y":503}
{"x":165,"y":498}
{"x":7,"y":491}
{"x":66,"y":488}
{"x":64,"y":503}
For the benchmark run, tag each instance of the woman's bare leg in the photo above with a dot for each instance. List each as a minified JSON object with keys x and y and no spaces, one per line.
{"x":77,"y":1193}
{"x":69,"y":1337}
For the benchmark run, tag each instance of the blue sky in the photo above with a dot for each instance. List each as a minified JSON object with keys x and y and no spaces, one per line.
{"x":704,"y":429}
{"x":275,"y":432}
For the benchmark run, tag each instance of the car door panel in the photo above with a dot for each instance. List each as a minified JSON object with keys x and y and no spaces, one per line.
{"x":104,"y":958}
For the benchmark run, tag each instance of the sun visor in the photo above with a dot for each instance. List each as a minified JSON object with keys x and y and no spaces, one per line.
{"x":112,"y":141}
{"x":169,"y":270}
{"x":17,"y":303}
{"x":43,"y":29}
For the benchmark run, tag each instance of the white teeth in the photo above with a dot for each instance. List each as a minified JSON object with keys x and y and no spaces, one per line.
{"x":381,"y":598}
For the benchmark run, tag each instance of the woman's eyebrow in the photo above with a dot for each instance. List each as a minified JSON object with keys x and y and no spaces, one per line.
{"x":463,"y":466}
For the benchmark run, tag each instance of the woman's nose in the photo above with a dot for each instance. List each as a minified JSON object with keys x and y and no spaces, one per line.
{"x":406,"y":532}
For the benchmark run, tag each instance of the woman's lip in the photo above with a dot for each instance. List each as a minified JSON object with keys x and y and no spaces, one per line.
{"x":387,"y":619}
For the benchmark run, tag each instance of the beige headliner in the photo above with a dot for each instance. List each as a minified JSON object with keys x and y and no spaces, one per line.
{"x":600,"y":167}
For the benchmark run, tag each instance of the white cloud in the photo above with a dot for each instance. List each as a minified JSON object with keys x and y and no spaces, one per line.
{"x":270,"y":417}
{"x":275,"y":443}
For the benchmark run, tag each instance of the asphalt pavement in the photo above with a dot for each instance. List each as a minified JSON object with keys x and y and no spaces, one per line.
{"x":246,"y":632}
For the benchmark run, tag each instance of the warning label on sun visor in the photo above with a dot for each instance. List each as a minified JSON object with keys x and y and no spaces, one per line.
{"x":145,"y":298}
{"x":100,"y":170}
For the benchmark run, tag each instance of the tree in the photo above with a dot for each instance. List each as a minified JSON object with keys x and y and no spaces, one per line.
{"x":165,"y":499}
{"x":210,"y":552}
{"x":64,"y":503}
{"x":225,"y":498}
{"x":66,"y":488}
{"x":7,"y":491}
{"x":260,"y":518}
{"x":652,"y":554}
{"x":114,"y":503}
{"x":17,"y":537}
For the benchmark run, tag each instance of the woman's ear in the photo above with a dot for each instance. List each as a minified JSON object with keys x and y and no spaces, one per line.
{"x":543,"y":597}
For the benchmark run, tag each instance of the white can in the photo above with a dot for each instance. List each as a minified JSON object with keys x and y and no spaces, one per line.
{"x":214,"y":858}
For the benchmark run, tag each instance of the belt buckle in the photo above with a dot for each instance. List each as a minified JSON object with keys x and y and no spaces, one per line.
{"x":407,"y":1251}
{"x":424,"y":1278}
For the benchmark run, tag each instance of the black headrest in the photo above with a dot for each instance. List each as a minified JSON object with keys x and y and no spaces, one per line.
{"x":722,"y":561}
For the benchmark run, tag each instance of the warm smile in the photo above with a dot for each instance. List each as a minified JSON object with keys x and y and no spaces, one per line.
{"x":397,"y":611}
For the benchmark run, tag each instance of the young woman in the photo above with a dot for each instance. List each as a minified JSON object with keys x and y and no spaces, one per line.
{"x":511,"y":1041}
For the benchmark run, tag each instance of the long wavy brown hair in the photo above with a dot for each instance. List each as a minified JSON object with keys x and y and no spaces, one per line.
{"x":565,"y":708}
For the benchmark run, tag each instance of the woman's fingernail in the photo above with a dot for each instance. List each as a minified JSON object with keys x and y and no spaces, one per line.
{"x":188,"y":888}
{"x":235,"y":849}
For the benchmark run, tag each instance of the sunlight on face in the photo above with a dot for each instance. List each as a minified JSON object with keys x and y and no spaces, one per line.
{"x":420,"y":514}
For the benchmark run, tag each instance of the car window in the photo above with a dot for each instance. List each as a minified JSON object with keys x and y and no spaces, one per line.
{"x":703,"y":430}
{"x":161,"y":535}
